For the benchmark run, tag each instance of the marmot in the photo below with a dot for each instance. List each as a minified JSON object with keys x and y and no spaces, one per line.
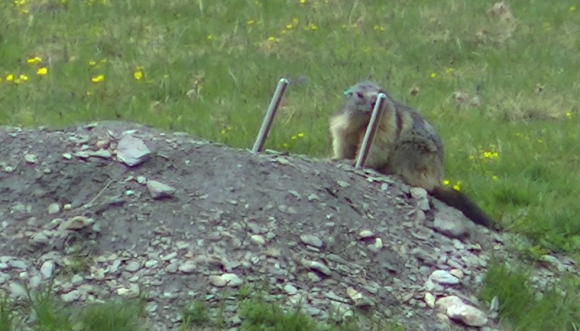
{"x":405,"y":145}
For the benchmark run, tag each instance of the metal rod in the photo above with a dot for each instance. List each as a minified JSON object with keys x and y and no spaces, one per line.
{"x":371,"y":130}
{"x":269,"y":117}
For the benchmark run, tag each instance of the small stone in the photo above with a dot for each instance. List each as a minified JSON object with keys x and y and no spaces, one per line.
{"x":552,"y":260}
{"x":30,"y":158}
{"x":17,"y":291}
{"x":418,"y":193}
{"x":133,"y":266}
{"x":46,"y":269}
{"x":429,"y":300}
{"x":75,"y":223}
{"x":53,"y":208}
{"x":158,"y":190}
{"x":311,"y":240}
{"x":131,"y":292}
{"x":364,"y":234}
{"x":132,"y":151}
{"x":467,"y":314}
{"x":449,"y":225}
{"x":225,"y":279}
{"x":257,"y":239}
{"x":290,"y":289}
{"x":456,"y":272}
{"x":342,"y":183}
{"x":443,"y":277}
{"x":188,"y":267}
{"x":71,"y":296}
{"x":317,"y":266}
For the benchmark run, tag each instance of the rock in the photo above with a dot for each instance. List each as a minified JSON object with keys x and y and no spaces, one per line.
{"x":364,"y":234}
{"x":17,"y":291}
{"x":443,"y":277}
{"x":47,"y":269}
{"x":458,"y":310}
{"x":53,"y":208}
{"x":30,"y":158}
{"x":290,"y":289}
{"x":317,"y":266}
{"x":467,"y":314}
{"x":158,"y":190}
{"x":188,"y":267}
{"x":75,"y":223}
{"x":225,"y":279}
{"x":132,"y":151}
{"x":449,"y":224}
{"x":258,"y":239}
{"x":429,"y":300}
{"x":311,"y":240}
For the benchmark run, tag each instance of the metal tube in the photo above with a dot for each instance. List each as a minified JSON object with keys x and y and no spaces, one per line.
{"x":269,"y":117}
{"x":371,"y":130}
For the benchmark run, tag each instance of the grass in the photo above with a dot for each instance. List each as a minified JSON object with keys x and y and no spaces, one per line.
{"x":557,"y":308}
{"x":41,"y":310}
{"x":210,"y":67}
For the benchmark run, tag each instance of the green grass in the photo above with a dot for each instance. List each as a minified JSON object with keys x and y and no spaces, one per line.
{"x":209,"y":68}
{"x":42,"y":310}
{"x":558,"y":307}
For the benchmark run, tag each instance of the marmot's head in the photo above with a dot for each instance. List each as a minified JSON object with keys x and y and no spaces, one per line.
{"x":362,"y":96}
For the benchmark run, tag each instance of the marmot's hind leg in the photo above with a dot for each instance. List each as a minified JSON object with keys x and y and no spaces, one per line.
{"x":417,"y":166}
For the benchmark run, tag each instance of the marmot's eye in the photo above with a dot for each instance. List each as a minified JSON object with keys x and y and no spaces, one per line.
{"x":360,"y":95}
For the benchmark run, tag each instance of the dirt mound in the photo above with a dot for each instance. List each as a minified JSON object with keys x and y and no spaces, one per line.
{"x":195,"y":217}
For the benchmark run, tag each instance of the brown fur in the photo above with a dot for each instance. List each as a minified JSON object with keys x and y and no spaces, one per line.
{"x":405,"y":145}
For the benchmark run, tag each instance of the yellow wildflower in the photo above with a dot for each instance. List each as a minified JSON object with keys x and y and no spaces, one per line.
{"x":41,"y":71}
{"x":489,"y":155}
{"x":98,"y":79}
{"x":92,"y":63}
{"x":9,"y":77}
{"x":433,"y":75}
{"x":34,"y":60}
{"x":300,"y":135}
{"x":445,"y":182}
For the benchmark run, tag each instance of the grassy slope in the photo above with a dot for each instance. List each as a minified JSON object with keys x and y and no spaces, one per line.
{"x":210,"y":67}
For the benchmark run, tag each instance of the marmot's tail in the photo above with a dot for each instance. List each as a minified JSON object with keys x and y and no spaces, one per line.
{"x":458,"y":200}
